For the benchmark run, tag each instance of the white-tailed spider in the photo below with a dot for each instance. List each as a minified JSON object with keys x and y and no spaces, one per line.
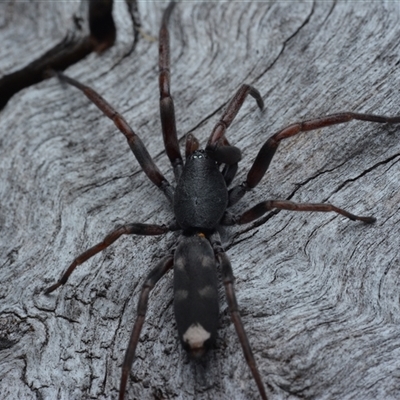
{"x":200,"y":202}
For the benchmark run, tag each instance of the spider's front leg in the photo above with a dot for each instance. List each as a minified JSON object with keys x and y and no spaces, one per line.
{"x":167,"y":109}
{"x":217,"y":145}
{"x":130,"y":229}
{"x":267,"y":151}
{"x":135,"y":143}
{"x":230,"y":113}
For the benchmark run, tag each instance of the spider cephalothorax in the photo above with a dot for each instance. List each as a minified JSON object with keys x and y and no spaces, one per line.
{"x":201,"y":195}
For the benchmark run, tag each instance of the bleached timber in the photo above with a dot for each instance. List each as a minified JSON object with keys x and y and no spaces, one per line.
{"x":319,"y":294}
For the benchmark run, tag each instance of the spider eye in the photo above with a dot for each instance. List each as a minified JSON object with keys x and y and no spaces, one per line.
{"x":198,"y":154}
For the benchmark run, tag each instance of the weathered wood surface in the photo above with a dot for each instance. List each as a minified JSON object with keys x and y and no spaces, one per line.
{"x":319,"y":294}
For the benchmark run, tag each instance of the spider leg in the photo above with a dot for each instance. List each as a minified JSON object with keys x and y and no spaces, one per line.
{"x":134,"y":141}
{"x":228,"y":281}
{"x":167,"y":110}
{"x":192,"y":144}
{"x":130,"y":229}
{"x":229,"y":170}
{"x":155,"y":275}
{"x":261,"y":208}
{"x":269,"y":148}
{"x":216,"y":138}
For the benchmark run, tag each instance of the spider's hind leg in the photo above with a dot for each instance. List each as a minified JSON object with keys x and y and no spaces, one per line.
{"x":228,"y":281}
{"x":154,"y":276}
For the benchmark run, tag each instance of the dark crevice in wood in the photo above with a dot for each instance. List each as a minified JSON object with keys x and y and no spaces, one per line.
{"x":136,"y":26}
{"x":366,"y":172}
{"x":285,"y":43}
{"x":69,"y":51}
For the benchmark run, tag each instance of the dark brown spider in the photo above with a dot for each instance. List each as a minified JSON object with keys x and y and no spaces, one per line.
{"x":200,"y":202}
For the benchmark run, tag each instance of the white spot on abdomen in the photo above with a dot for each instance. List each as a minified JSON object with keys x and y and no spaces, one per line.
{"x":207,"y":291}
{"x":195,"y":336}
{"x":180,"y":263}
{"x":207,"y":262}
{"x":181,"y":295}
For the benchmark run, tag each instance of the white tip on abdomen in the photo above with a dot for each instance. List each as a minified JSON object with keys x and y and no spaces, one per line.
{"x":195,"y":336}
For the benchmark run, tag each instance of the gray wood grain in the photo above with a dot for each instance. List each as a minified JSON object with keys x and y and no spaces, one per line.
{"x":319,"y":294}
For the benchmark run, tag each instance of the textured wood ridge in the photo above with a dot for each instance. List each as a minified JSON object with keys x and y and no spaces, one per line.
{"x":319,"y":294}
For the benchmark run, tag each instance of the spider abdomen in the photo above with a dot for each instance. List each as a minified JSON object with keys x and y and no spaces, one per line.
{"x":196,"y":294}
{"x":201,"y":196}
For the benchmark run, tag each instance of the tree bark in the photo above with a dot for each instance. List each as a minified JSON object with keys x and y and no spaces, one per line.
{"x":319,"y":294}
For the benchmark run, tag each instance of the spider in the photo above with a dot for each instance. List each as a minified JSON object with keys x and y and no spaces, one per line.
{"x":201,"y":201}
